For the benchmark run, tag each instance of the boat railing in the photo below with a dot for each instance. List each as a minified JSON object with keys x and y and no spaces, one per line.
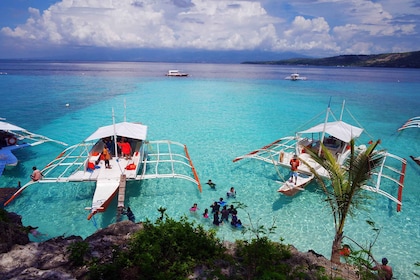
{"x":163,"y":160}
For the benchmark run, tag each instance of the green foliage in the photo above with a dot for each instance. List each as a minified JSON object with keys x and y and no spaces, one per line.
{"x":361,"y":255}
{"x":344,"y":195}
{"x":3,"y":215}
{"x":166,"y":249}
{"x":77,"y":252}
{"x":264,"y":259}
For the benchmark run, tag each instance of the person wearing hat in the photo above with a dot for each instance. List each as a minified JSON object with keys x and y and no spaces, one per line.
{"x":294,"y":164}
{"x":384,"y":270}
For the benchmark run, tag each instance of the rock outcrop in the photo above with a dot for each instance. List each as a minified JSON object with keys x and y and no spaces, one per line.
{"x":51,"y":259}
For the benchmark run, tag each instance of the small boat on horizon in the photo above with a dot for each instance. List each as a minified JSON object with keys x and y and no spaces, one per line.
{"x":13,"y":137}
{"x":176,"y":73}
{"x":133,"y":157}
{"x":335,"y":135}
{"x":295,"y":77}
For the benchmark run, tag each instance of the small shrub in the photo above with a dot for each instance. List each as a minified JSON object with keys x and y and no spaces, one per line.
{"x":77,"y":252}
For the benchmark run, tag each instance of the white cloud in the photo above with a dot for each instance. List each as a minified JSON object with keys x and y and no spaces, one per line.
{"x":313,"y":26}
{"x":136,"y":24}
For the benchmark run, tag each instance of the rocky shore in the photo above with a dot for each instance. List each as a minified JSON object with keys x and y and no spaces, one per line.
{"x":21,"y":259}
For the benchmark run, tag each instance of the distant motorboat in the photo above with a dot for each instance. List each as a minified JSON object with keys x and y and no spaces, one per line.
{"x":295,"y":77}
{"x":176,"y":73}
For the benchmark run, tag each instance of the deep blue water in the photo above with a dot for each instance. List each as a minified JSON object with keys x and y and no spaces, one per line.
{"x":220,"y":112}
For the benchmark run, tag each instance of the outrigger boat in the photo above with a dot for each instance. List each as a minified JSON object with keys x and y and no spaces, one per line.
{"x":336,"y":135}
{"x":412,"y":123}
{"x":289,"y":188}
{"x":147,"y":160}
{"x":13,"y":137}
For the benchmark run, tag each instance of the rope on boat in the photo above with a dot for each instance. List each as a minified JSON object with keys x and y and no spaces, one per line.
{"x":275,"y":167}
{"x":94,"y":222}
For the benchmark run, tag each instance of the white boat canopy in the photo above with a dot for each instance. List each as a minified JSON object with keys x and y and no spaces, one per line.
{"x":126,"y":129}
{"x":10,"y":127}
{"x":339,"y":129}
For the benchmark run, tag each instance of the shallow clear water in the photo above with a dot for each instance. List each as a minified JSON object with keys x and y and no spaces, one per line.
{"x":220,"y":112}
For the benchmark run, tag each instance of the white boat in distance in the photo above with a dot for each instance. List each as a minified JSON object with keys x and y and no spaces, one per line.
{"x":147,"y":160}
{"x":295,"y":77}
{"x":335,"y":135}
{"x":176,"y":73}
{"x":13,"y":137}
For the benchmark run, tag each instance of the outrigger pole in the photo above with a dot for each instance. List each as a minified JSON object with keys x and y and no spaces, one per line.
{"x":325,"y":127}
{"x":115,"y":133}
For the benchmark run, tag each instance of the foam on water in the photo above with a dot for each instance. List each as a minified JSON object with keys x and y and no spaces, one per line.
{"x":220,"y":112}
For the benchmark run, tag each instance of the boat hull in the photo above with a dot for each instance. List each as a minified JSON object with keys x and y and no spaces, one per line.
{"x":290,"y":188}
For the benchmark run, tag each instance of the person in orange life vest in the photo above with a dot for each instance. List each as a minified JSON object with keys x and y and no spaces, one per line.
{"x":36,"y":174}
{"x":345,"y":251}
{"x":107,"y":156}
{"x":294,"y":163}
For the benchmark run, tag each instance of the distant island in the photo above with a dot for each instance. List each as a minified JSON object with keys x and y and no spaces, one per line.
{"x":397,"y":60}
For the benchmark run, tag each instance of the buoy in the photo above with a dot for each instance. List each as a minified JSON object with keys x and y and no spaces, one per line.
{"x":67,"y":105}
{"x":11,"y":141}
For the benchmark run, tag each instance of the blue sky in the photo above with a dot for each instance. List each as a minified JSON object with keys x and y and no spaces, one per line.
{"x":137,"y":29}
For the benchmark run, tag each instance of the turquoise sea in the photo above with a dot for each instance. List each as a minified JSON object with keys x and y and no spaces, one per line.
{"x":220,"y":112}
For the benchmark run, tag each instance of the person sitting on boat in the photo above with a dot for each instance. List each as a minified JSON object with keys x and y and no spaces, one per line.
{"x":231,"y":193}
{"x":36,"y":174}
{"x":107,"y":156}
{"x":211,"y":184}
{"x":294,"y":164}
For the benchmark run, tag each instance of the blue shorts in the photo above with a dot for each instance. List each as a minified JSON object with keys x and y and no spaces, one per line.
{"x":293,"y":173}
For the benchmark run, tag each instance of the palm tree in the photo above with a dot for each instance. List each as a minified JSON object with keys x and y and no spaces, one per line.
{"x":344,"y":195}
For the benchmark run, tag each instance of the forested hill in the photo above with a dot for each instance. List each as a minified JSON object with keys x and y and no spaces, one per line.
{"x":398,"y":60}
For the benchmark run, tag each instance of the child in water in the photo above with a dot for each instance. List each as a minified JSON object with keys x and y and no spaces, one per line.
{"x":211,"y":184}
{"x":231,"y":193}
{"x":194,"y":208}
{"x":206,"y":213}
